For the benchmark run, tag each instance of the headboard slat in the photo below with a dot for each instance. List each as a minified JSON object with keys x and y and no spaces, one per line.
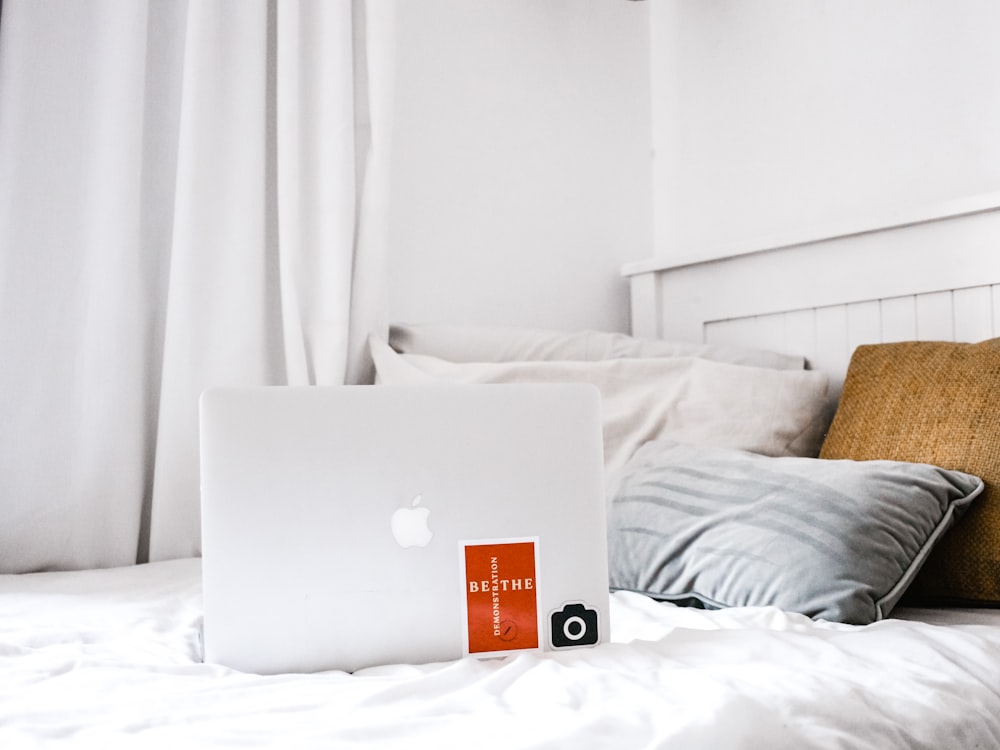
{"x":934,"y":281}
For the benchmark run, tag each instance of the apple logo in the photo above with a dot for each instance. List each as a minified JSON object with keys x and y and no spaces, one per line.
{"x":409,"y":525}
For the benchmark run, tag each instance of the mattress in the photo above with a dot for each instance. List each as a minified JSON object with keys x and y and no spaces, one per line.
{"x":112,"y":658}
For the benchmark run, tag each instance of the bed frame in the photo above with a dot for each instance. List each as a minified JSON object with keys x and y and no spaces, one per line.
{"x":929,"y":275}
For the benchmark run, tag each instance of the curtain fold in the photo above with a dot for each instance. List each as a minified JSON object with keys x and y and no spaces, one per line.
{"x":179,"y":208}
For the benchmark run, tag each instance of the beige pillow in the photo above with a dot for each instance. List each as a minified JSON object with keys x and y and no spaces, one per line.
{"x":691,"y":400}
{"x":936,"y":403}
{"x":457,"y":343}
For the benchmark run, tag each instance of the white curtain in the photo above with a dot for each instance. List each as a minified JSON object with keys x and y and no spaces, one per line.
{"x":191,"y":194}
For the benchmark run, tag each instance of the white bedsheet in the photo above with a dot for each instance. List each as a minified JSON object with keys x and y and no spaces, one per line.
{"x":111,"y":659}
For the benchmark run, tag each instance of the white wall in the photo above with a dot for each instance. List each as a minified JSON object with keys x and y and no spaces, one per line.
{"x":774,"y":116}
{"x":521,"y":161}
{"x":522,"y":169}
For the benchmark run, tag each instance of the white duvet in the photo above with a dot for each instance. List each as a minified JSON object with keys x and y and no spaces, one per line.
{"x":111,"y":659}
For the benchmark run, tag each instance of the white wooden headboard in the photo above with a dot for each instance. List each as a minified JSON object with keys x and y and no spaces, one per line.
{"x":933,"y":276}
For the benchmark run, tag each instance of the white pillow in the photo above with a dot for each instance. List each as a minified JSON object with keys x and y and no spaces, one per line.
{"x":687,"y":399}
{"x":457,"y":343}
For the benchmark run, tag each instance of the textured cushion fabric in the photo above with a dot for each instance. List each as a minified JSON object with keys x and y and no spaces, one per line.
{"x":938,"y":403}
{"x":775,"y":412}
{"x":834,"y":540}
{"x":457,"y":343}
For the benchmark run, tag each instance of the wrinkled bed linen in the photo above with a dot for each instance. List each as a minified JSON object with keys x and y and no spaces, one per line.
{"x":111,"y":658}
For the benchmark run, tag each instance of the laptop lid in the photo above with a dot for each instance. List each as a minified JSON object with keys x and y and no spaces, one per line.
{"x":345,"y":527}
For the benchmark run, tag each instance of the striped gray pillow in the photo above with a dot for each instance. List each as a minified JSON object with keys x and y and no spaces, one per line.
{"x":834,"y":540}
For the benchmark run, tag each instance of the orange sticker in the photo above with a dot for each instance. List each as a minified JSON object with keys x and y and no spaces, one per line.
{"x":501,"y":596}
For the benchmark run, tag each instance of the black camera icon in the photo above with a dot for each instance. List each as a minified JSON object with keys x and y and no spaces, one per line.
{"x":573,"y":625}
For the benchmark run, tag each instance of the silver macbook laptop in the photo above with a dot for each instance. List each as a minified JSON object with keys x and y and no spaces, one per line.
{"x":352,"y":526}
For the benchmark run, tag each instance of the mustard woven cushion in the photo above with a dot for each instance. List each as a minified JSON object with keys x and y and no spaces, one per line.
{"x":935,"y":403}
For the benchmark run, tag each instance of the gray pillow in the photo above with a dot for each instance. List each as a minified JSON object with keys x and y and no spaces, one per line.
{"x":834,"y":540}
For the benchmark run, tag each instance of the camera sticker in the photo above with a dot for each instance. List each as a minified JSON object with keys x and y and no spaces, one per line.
{"x":501,"y":595}
{"x":573,"y":625}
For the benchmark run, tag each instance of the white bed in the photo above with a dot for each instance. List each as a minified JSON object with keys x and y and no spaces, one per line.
{"x":111,"y":658}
